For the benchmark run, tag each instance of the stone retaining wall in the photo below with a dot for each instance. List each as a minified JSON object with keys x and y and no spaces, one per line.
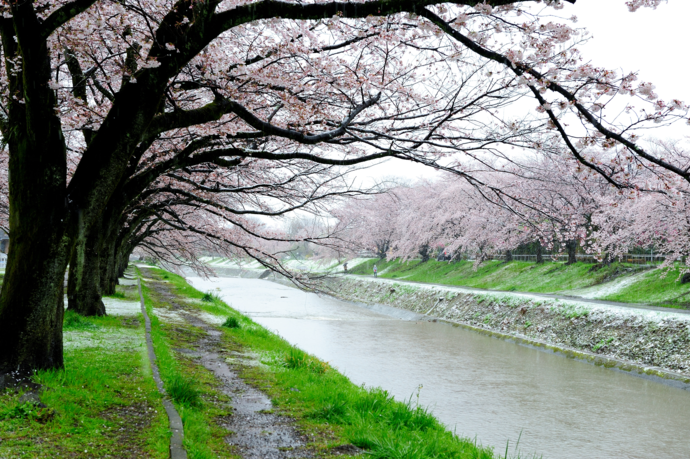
{"x":648,"y":342}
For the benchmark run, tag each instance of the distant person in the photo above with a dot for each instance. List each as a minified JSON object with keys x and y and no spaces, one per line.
{"x":345,"y":267}
{"x":375,"y":271}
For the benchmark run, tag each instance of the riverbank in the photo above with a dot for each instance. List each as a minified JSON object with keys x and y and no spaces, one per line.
{"x":649,"y":343}
{"x":328,"y":415}
{"x":622,"y":282}
{"x":618,"y":282}
{"x":240,"y":390}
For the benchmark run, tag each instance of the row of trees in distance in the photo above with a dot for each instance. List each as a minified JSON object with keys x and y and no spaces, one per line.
{"x":543,"y":204}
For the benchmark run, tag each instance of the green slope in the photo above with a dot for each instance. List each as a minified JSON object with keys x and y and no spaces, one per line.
{"x":614,"y":282}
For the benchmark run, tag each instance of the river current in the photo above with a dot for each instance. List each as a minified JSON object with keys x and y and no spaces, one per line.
{"x":482,"y":387}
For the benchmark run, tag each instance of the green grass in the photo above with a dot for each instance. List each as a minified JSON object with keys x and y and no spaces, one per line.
{"x":103,"y":404}
{"x":497,"y":275}
{"x":74,"y":321}
{"x":656,"y":287}
{"x":183,"y":390}
{"x":124,"y":292}
{"x":210,"y":297}
{"x":660,"y":287}
{"x":231,"y":322}
{"x":326,"y":405}
{"x":119,"y":295}
{"x":188,"y":382}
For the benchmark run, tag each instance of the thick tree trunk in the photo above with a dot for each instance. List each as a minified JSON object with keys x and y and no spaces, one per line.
{"x":31,"y":304}
{"x":124,"y":262}
{"x":540,"y":257}
{"x":108,"y":276}
{"x":509,"y":256}
{"x":83,"y":288}
{"x":571,"y":246}
{"x":47,"y":215}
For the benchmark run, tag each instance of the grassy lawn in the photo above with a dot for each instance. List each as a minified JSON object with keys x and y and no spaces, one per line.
{"x":651,"y":286}
{"x":103,"y":404}
{"x":124,"y":292}
{"x":655,"y":288}
{"x":327,"y":407}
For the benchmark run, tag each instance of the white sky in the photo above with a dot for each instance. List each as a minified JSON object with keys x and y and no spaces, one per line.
{"x":652,"y":42}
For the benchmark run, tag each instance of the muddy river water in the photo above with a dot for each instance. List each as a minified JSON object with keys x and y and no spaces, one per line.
{"x":484,"y":388}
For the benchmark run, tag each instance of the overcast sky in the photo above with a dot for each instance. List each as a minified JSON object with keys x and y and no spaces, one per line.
{"x":652,"y":42}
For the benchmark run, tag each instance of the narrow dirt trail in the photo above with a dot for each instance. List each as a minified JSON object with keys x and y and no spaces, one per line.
{"x":253,"y":429}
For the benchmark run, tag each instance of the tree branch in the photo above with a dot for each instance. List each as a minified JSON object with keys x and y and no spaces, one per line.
{"x":62,"y":15}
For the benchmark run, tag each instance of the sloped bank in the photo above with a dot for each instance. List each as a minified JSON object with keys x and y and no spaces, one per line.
{"x":647,"y":343}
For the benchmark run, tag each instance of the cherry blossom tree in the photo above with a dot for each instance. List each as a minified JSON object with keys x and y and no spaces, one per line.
{"x":369,"y":224}
{"x":95,"y":93}
{"x":453,"y":214}
{"x":148,"y":70}
{"x":654,"y":216}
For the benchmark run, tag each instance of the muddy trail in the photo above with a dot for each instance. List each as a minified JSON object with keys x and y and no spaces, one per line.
{"x":254,"y":431}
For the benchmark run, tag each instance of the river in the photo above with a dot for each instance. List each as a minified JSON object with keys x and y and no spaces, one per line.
{"x":482,"y":387}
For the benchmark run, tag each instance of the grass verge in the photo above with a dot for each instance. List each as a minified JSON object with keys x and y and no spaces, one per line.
{"x":192,"y":388}
{"x":103,"y":404}
{"x":659,"y":287}
{"x":327,"y":407}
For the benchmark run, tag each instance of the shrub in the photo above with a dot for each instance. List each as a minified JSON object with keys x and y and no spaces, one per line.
{"x":297,"y":359}
{"x":211,"y":297}
{"x":231,"y":322}
{"x":74,"y":321}
{"x":183,"y":391}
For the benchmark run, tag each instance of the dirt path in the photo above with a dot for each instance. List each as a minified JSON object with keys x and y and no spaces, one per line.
{"x":253,"y":428}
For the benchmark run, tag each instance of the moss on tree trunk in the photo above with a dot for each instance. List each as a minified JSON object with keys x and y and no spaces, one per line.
{"x":83,"y":288}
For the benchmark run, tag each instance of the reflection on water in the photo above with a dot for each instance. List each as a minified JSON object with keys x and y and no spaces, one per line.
{"x":482,"y":387}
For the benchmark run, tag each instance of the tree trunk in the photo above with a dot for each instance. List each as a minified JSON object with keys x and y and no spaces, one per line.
{"x":607,"y":259}
{"x":457,"y":255}
{"x":571,"y":246}
{"x":509,"y":256}
{"x":109,"y":271}
{"x":382,"y":249}
{"x":122,"y":262}
{"x":540,"y":258}
{"x":425,"y":252}
{"x":83,"y":288}
{"x":31,"y":304}
{"x":108,"y":276}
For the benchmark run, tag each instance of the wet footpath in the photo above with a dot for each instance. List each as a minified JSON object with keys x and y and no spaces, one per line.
{"x":253,"y":430}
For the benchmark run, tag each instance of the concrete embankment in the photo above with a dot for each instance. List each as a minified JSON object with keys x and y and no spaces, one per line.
{"x":648,"y":343}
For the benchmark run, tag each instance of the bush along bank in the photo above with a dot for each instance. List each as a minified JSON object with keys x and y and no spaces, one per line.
{"x":645,"y":342}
